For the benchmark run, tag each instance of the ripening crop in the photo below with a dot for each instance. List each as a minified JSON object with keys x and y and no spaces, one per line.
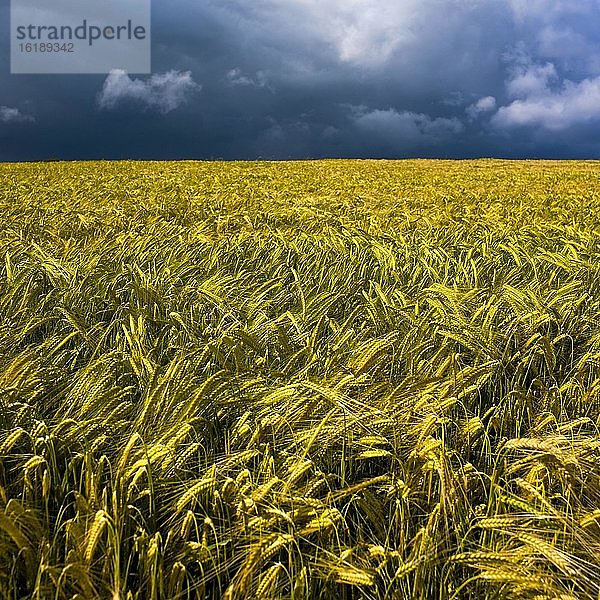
{"x":300,"y":380}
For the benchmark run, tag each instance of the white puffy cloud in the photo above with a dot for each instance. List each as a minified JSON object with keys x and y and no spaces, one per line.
{"x":162,"y":92}
{"x":540,"y":97}
{"x":483,"y":105}
{"x":573,"y":104}
{"x":399,"y":128}
{"x":531,"y":80}
{"x":369,"y":31}
{"x":13,"y":115}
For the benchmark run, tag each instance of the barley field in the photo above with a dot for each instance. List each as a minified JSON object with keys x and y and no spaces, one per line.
{"x":300,"y":380}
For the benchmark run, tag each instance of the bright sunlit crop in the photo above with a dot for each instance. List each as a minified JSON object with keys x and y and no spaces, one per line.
{"x":329,"y":379}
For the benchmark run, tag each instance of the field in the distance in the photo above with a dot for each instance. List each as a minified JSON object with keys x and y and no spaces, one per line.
{"x":300,"y":380}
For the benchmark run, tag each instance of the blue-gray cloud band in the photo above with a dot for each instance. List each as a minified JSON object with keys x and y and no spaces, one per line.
{"x":302,"y":78}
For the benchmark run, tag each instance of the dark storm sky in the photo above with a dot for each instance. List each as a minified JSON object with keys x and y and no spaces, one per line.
{"x":337,"y":78}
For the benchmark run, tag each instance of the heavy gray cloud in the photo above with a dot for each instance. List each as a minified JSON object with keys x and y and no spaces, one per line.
{"x":299,"y":78}
{"x":405,"y":129}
